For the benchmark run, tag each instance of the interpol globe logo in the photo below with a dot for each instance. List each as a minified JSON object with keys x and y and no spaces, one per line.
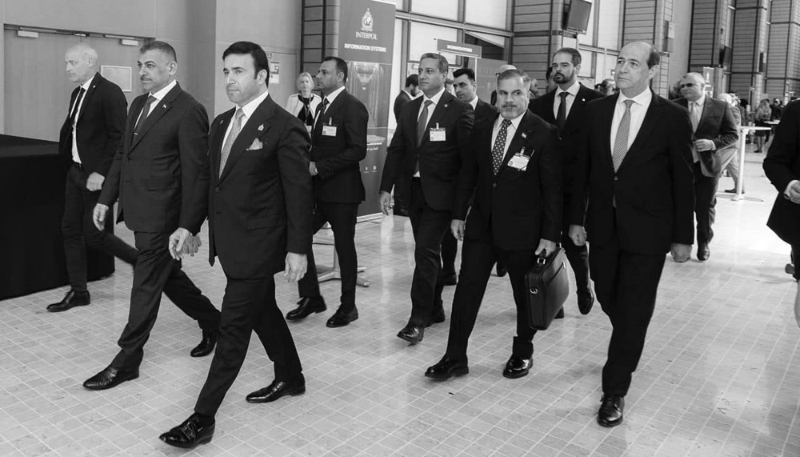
{"x":366,"y":21}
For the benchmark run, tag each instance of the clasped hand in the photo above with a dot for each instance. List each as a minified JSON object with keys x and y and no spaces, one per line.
{"x":182,"y":242}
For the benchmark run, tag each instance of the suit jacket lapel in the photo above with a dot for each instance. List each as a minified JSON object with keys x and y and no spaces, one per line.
{"x":578,"y":106}
{"x":323,"y":118}
{"x":88,"y":96}
{"x":215,"y":146}
{"x":414,"y":113}
{"x":257,"y":125}
{"x":651,"y":119}
{"x":437,"y":115}
{"x":520,"y":136}
{"x":611,"y":103}
{"x":160,"y":110}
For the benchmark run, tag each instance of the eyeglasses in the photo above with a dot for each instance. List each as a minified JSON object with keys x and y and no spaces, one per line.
{"x":688,"y":85}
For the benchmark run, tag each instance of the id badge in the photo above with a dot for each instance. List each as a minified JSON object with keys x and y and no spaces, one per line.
{"x":519,"y":162}
{"x":328,"y":130}
{"x":438,"y":134}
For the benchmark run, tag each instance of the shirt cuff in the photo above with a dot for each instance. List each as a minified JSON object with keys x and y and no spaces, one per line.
{"x":786,"y":192}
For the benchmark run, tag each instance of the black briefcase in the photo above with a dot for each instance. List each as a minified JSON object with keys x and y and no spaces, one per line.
{"x":547,"y":287}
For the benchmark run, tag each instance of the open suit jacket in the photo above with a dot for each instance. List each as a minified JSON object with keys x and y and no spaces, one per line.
{"x":569,"y":137}
{"x":337,"y":157}
{"x":439,"y":161}
{"x":401,"y":100}
{"x":653,"y":188}
{"x":161,"y":175}
{"x":259,"y":208}
{"x":100,"y":124}
{"x":782,"y":166}
{"x":718,"y":125}
{"x":522,"y":206}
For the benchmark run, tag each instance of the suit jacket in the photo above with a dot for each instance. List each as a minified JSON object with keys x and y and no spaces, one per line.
{"x":570,"y":140}
{"x":653,"y":188}
{"x":439,"y":161}
{"x":483,"y":111}
{"x":782,"y":166}
{"x":718,"y":125}
{"x":522,"y":206}
{"x":160,"y":176}
{"x":100,"y":123}
{"x":260,"y":207}
{"x":337,"y":157}
{"x":401,"y":100}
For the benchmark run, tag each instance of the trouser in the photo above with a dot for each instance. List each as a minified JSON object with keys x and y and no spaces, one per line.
{"x":705,"y":200}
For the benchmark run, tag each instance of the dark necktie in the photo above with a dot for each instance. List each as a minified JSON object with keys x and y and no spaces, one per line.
{"x":621,"y":142}
{"x":145,"y":113}
{"x":74,"y":112}
{"x":422,"y":122}
{"x":226,"y":148}
{"x":561,"y":119}
{"x":499,"y":149}
{"x":321,"y":108}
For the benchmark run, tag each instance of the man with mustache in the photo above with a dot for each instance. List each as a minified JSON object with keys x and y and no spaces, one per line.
{"x":511,"y":155}
{"x":565,"y":108}
{"x":160,"y":176}
{"x":426,"y":153}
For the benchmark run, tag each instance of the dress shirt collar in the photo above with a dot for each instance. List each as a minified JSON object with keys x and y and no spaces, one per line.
{"x":573,"y":90}
{"x":514,"y":122}
{"x":435,"y":99}
{"x":642,"y":99}
{"x":412,"y":97}
{"x":163,"y":92}
{"x":700,"y":101}
{"x":332,"y":96}
{"x":85,"y":86}
{"x":474,"y":103}
{"x":251,"y":106}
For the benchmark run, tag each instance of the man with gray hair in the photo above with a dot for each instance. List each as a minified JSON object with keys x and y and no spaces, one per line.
{"x":88,"y":141}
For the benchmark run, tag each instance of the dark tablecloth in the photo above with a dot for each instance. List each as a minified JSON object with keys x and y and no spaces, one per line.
{"x":32,"y":179}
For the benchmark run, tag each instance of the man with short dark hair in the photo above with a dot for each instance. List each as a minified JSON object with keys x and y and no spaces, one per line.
{"x":409,"y":92}
{"x":259,"y":223}
{"x":159,"y":175}
{"x":426,"y":152}
{"x":565,"y":108}
{"x":635,"y":174}
{"x":338,"y":143}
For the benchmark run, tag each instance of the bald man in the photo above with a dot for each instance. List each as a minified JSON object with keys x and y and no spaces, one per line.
{"x":92,"y":130}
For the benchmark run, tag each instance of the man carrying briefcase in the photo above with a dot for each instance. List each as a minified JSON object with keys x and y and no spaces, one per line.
{"x":515,"y":172}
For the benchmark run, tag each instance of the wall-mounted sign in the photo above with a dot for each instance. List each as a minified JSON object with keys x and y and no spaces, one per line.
{"x":459,"y":49}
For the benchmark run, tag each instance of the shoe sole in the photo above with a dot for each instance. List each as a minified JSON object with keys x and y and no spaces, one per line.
{"x":188,"y":446}
{"x":608,"y":424}
{"x":327,"y":324}
{"x":455,"y":373}
{"x":514,"y":375}
{"x":60,"y":310}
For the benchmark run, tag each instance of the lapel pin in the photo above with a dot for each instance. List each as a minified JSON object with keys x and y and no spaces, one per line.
{"x":445,"y":105}
{"x":524,"y":135}
{"x":583,"y":100}
{"x":261,"y":128}
{"x":164,"y":106}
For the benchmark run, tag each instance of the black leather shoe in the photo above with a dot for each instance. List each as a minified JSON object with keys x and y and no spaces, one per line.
{"x":437,"y":318}
{"x":732,"y":191}
{"x":343,"y":316}
{"x":412,"y":333}
{"x":610,"y":414}
{"x":190,"y":433}
{"x":70,"y":300}
{"x":501,"y":270}
{"x":517,"y":367}
{"x":206,"y":345}
{"x":110,"y":377}
{"x":560,"y":314}
{"x":447,"y":368}
{"x":585,"y":301}
{"x":450,"y":279}
{"x":276,"y":390}
{"x":703,"y":251}
{"x":307,"y":305}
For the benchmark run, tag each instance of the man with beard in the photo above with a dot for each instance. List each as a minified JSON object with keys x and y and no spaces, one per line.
{"x":566,"y":109}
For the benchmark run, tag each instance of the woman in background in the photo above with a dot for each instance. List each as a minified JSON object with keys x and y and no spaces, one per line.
{"x":304,"y":103}
{"x":763,"y":114}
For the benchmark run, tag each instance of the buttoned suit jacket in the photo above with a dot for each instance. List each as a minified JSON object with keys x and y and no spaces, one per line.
{"x":782,"y":166}
{"x":160,"y":175}
{"x":259,"y":208}
{"x":718,"y":125}
{"x":521,"y":206}
{"x":439,"y":161}
{"x":337,"y":158}
{"x":100,"y":125}
{"x":648,"y":202}
{"x":569,"y":142}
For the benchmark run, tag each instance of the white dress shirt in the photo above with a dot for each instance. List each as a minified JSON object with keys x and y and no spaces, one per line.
{"x":330,"y":97}
{"x":696,"y":113}
{"x":639,"y":108}
{"x":474,"y":103}
{"x":85,"y":86}
{"x":435,"y":99}
{"x":573,"y":94}
{"x":248,"y":111}
{"x":510,"y":131}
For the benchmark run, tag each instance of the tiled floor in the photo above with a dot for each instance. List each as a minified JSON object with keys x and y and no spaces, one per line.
{"x":720,"y":374}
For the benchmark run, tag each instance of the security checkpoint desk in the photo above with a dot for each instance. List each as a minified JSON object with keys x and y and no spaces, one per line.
{"x":32,"y":179}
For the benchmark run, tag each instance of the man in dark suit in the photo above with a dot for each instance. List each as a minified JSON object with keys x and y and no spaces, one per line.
{"x":409,"y":92}
{"x":89,"y":138}
{"x":426,"y":154}
{"x":259,"y":201}
{"x":159,"y":174}
{"x":635,"y":171}
{"x":782,"y":167}
{"x":714,"y":133}
{"x":339,"y":142}
{"x":511,"y":155}
{"x":566,"y":109}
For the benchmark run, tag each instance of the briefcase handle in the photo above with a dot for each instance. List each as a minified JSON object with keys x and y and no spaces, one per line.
{"x":542,"y":259}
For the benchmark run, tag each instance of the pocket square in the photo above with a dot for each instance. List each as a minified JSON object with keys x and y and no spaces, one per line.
{"x":256,"y":145}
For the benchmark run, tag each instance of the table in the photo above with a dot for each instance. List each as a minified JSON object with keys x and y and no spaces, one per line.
{"x":32,"y":202}
{"x":743,"y":131}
